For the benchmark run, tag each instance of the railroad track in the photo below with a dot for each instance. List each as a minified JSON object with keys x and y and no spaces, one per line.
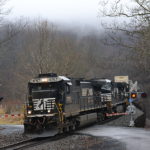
{"x":40,"y":140}
{"x":33,"y":142}
{"x":21,"y":144}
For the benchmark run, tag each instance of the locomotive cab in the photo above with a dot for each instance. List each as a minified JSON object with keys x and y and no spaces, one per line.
{"x":44,"y":93}
{"x":46,"y":96}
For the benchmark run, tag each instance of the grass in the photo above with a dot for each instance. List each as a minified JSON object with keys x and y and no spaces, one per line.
{"x":11,"y":120}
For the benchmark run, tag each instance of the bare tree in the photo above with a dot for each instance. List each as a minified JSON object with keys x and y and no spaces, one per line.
{"x":3,"y":13}
{"x":133,"y":34}
{"x":136,"y":26}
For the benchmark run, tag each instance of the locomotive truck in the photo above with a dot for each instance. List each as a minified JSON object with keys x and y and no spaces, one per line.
{"x":63,"y":104}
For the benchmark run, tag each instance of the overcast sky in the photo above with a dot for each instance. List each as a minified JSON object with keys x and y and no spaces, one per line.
{"x":72,"y":12}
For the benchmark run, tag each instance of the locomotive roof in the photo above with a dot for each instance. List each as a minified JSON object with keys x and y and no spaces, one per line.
{"x":64,"y":78}
{"x":45,"y":79}
{"x":102,"y":80}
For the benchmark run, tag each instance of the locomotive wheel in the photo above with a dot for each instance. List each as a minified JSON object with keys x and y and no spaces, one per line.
{"x":66,"y":129}
{"x":100,"y":117}
{"x":77,"y":124}
{"x":72,"y":128}
{"x":39,"y":128}
{"x":28,"y":128}
{"x":114,"y":110}
{"x":120,"y":108}
{"x":60,"y":130}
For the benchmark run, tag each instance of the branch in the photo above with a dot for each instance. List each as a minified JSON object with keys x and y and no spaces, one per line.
{"x":141,"y":5}
{"x":134,"y":15}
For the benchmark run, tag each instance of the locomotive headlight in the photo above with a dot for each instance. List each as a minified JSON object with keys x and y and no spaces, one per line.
{"x":29,"y":112}
{"x":48,"y":111}
{"x":44,"y":79}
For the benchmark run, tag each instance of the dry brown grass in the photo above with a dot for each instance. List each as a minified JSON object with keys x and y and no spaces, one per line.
{"x":2,"y":111}
{"x":11,"y":120}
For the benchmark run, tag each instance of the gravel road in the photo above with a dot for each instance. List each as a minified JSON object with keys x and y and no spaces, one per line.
{"x":10,"y":134}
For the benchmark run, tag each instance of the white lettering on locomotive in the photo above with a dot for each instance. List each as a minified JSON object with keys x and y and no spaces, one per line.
{"x":44,"y":104}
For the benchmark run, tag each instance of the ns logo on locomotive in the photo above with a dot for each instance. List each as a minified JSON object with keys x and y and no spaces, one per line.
{"x":63,"y":104}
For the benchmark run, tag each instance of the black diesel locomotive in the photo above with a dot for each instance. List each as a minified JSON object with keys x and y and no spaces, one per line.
{"x":62,"y":103}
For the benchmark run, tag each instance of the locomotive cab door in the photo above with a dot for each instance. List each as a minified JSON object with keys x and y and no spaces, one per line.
{"x":71,"y":105}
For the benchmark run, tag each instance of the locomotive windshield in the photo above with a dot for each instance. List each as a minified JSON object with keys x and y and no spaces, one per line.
{"x":106,"y":87}
{"x":44,"y":90}
{"x":102,"y":85}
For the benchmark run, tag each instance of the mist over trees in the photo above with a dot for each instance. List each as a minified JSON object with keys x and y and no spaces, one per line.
{"x":135,"y":28}
{"x":136,"y":31}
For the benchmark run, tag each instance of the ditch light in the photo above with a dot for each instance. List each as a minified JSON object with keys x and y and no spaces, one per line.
{"x":29,"y":112}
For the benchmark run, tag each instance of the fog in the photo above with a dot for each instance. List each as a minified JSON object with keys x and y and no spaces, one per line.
{"x":67,"y":12}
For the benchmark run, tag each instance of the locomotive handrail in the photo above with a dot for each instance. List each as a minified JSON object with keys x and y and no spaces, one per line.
{"x":60,"y":112}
